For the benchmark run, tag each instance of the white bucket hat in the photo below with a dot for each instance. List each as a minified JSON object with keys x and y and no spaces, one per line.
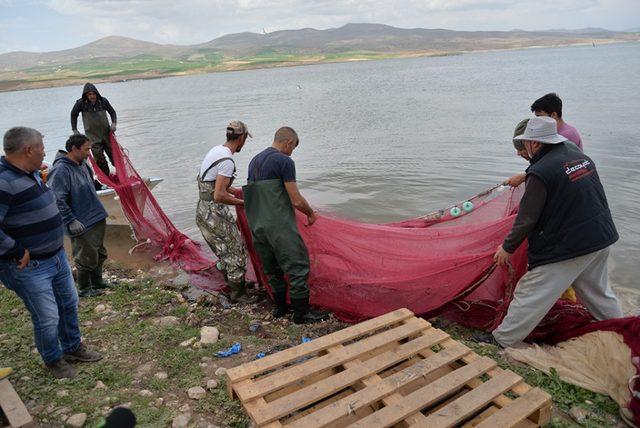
{"x":542,"y":129}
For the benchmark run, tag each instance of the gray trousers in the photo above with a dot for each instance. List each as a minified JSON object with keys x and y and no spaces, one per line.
{"x":540,"y":288}
{"x":88,"y":249}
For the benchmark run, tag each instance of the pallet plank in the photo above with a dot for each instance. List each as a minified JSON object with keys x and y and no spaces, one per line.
{"x":249,"y":389}
{"x":281,"y":358}
{"x":13,"y":407}
{"x":319,"y":390}
{"x":377,"y":391}
{"x":521,"y":408}
{"x":426,"y":395}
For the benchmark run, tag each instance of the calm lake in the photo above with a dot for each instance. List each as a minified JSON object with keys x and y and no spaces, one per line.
{"x":382,"y":140}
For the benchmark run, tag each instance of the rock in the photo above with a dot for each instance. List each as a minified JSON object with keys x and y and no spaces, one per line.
{"x":181,"y":421}
{"x":196,"y":392}
{"x":212,"y":384}
{"x":168,"y":321}
{"x":100,"y":308}
{"x":161,"y":375}
{"x":579,"y":414}
{"x":62,"y":393}
{"x":221,"y":371}
{"x":145,"y":393}
{"x":77,"y":420}
{"x":203,"y":365}
{"x":100,"y":385}
{"x":188,"y":342}
{"x":209,"y":335}
{"x":87,"y":323}
{"x":180,"y":298}
{"x":143,"y":370}
{"x":206,"y":359}
{"x":181,"y":280}
{"x":192,"y":320}
{"x":185,"y":408}
{"x":158,"y":402}
{"x":62,"y":411}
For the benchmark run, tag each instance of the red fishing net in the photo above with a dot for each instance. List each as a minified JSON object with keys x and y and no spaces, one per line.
{"x":440,"y":264}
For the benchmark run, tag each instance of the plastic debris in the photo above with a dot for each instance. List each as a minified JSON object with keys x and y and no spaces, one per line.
{"x":233,"y":349}
{"x":260,"y":355}
{"x":305,"y":339}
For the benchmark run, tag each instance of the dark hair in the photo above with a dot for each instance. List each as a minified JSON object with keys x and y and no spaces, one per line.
{"x":550,"y":103}
{"x":231,"y":136}
{"x":76,"y":140}
{"x":18,"y":137}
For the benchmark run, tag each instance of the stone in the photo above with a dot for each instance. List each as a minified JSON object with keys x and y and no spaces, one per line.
{"x":100,"y":385}
{"x":206,"y":359}
{"x":209,"y":335}
{"x":579,"y":414}
{"x":161,"y":375}
{"x":221,"y":371}
{"x":196,"y":392}
{"x":168,"y":321}
{"x":100,"y":308}
{"x":203,"y":365}
{"x":181,"y":280}
{"x":77,"y":420}
{"x":158,"y":402}
{"x":180,"y":298}
{"x":192,"y":320}
{"x":212,"y":384}
{"x":143,"y":370}
{"x":62,"y":393}
{"x":188,"y":342}
{"x":87,"y":323}
{"x":145,"y":393}
{"x":185,"y":408}
{"x":181,"y":421}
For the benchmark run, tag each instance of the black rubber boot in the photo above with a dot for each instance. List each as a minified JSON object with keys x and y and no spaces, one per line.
{"x":282,"y":309}
{"x":239,"y":293}
{"x":97,"y":281}
{"x":85,"y":288}
{"x":302,"y":314}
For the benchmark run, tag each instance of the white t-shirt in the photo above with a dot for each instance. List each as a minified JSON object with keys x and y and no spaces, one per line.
{"x":224,"y":168}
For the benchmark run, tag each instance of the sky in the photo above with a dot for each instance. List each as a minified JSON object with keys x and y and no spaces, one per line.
{"x":49,"y":25}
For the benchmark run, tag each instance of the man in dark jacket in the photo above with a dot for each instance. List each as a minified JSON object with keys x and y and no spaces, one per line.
{"x":71,"y":179}
{"x":566,"y":218}
{"x":94,"y":109}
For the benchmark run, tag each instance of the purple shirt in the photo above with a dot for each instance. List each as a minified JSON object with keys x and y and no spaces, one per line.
{"x":571,"y":134}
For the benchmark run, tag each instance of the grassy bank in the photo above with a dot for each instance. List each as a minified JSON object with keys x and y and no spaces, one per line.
{"x":142,"y":327}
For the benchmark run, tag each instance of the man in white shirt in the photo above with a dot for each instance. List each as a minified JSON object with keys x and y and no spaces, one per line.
{"x":213,"y":216}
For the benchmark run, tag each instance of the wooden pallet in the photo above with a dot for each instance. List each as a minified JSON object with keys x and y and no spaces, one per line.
{"x":12,"y":407}
{"x":394,"y":370}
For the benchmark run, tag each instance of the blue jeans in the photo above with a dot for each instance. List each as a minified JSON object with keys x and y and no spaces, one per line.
{"x":46,"y":287}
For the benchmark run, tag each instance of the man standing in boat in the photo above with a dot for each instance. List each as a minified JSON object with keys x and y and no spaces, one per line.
{"x":94,"y":109}
{"x":213,"y":216}
{"x":84,"y":216}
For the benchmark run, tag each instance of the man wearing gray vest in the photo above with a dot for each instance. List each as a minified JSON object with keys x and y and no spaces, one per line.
{"x":565,"y":217}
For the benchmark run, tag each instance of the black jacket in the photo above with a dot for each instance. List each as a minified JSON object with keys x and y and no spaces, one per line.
{"x":575,"y":219}
{"x":84,"y":105}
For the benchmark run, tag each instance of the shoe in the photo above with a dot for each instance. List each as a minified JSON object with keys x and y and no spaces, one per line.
{"x":62,"y":369}
{"x":302,"y":314}
{"x":5,"y":371}
{"x":83,"y":354}
{"x":282,"y":309}
{"x":90,"y":292}
{"x":239,"y":293}
{"x":487,"y":338}
{"x":97,"y":281}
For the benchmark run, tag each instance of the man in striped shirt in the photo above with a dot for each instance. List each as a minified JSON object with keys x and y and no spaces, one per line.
{"x":32,"y":260}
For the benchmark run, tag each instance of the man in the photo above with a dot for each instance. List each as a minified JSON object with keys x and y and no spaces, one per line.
{"x":94,"y":109}
{"x":71,"y":179}
{"x":271,"y":194}
{"x":549,"y":105}
{"x":213,"y":216}
{"x":32,"y":260}
{"x":565,"y":216}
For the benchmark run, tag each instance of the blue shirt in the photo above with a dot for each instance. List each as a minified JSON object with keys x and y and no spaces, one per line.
{"x":29,"y":216}
{"x":271,"y":164}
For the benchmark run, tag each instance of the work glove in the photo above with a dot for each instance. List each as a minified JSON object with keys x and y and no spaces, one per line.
{"x":113,"y":127}
{"x":76,"y":228}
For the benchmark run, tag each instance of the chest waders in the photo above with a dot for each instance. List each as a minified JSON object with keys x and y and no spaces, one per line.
{"x":219,"y":229}
{"x":97,"y":128}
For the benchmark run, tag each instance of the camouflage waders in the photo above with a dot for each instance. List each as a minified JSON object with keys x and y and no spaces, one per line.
{"x":219,"y":229}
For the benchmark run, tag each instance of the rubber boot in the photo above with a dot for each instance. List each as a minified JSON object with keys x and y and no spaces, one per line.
{"x":302,"y":314}
{"x":97,"y":281}
{"x":239,"y":293}
{"x":282,"y":309}
{"x":84,"y":284}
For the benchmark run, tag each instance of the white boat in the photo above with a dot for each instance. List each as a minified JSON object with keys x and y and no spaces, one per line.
{"x":111,"y":202}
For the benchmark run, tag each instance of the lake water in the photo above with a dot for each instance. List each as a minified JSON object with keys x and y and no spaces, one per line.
{"x":382,"y":140}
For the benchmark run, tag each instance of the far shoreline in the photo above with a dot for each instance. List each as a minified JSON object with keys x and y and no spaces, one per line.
{"x":7,"y":86}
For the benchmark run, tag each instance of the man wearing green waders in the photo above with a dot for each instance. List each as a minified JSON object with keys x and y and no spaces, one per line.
{"x":270,"y":196}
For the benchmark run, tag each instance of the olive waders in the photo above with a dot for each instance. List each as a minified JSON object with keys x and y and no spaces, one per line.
{"x":97,"y":129}
{"x":281,"y":249}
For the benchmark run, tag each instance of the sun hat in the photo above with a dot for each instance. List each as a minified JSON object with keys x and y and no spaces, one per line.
{"x":542,"y":129}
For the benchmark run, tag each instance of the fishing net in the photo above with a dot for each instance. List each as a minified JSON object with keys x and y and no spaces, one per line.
{"x":440,"y":264}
